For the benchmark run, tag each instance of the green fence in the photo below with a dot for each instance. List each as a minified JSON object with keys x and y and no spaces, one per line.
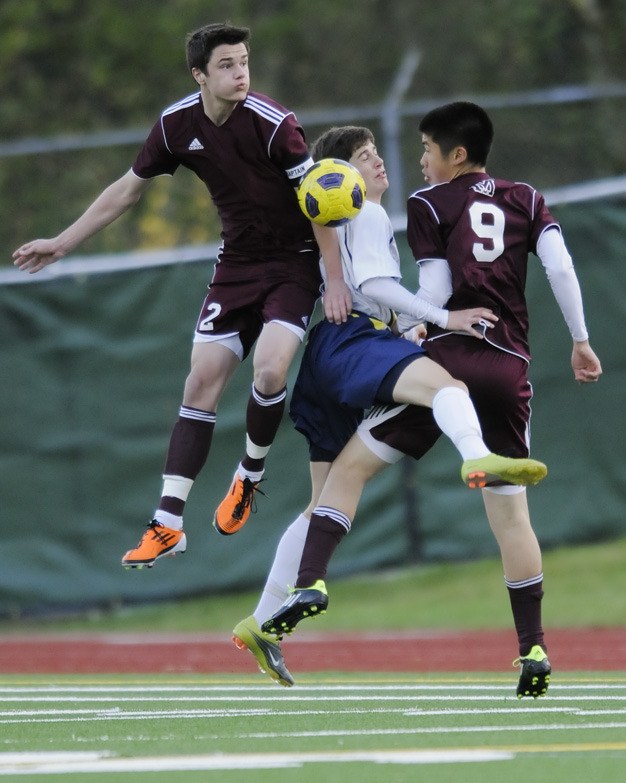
{"x":92,"y":374}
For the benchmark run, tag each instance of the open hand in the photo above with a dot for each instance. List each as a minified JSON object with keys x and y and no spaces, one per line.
{"x":34,"y":256}
{"x":473,"y":321}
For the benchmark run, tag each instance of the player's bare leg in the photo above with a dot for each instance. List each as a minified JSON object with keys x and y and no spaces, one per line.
{"x":275,"y":350}
{"x":509,"y":518}
{"x":212,"y":365}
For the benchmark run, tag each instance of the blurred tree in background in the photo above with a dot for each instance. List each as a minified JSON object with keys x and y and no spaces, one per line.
{"x":73,"y":67}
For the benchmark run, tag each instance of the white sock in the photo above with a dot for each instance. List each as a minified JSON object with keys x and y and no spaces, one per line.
{"x":456,"y":417}
{"x":284,"y":570}
{"x":174,"y":487}
{"x":169,"y":520}
{"x":249,"y":474}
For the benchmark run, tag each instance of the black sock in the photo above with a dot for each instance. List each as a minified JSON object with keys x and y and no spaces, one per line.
{"x":326,"y":529}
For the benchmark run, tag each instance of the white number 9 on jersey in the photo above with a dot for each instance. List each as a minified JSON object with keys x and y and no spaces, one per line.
{"x":487,"y":222}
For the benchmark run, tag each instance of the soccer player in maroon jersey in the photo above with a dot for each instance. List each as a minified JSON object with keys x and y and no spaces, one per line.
{"x":485,"y":228}
{"x":471,"y":235}
{"x":355,"y":365}
{"x":250,"y":152}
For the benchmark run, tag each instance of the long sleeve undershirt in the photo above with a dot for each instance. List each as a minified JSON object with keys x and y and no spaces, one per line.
{"x":559,"y":268}
{"x":393,"y":294}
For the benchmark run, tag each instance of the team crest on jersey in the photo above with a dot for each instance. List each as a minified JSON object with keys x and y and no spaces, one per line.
{"x":487,"y":187}
{"x":196,"y":144}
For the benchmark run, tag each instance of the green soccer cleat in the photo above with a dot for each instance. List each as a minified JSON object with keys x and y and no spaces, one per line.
{"x":479,"y":473}
{"x":303,"y":602}
{"x":535,"y":670}
{"x":248,"y":636}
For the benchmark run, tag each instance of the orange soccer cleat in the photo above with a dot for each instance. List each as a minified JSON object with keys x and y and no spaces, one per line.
{"x":156,"y":542}
{"x":233,"y":512}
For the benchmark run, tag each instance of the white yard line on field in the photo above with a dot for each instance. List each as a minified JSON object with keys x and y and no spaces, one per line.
{"x":269,"y":687}
{"x":67,"y":763}
{"x":279,"y":698}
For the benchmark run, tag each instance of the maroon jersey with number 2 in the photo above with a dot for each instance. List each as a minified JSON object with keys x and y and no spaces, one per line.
{"x":268,"y":265}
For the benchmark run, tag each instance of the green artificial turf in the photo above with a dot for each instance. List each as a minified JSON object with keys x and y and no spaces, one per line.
{"x":370,"y":728}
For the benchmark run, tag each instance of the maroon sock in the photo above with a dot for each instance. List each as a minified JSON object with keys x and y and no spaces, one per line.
{"x":188,"y":450}
{"x":326,"y":529}
{"x":263,"y":417}
{"x":526,"y":606}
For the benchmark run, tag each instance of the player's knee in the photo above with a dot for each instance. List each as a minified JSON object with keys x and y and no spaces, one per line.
{"x":270,"y":377}
{"x":202,"y":388}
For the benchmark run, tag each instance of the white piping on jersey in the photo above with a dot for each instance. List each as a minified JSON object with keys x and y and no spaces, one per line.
{"x":417,"y":195}
{"x":426,"y":189}
{"x":262,"y":108}
{"x":547,"y":228}
{"x":485,"y":338}
{"x":534,"y":196}
{"x":427,"y":202}
{"x":269,"y":113}
{"x":183,"y":103}
{"x":430,"y":206}
{"x":269,"y":143}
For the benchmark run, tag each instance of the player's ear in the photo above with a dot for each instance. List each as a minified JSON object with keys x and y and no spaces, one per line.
{"x":459,"y":155}
{"x":198,"y":75}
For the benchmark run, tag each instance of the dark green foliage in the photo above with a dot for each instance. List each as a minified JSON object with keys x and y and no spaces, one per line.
{"x":74,"y":67}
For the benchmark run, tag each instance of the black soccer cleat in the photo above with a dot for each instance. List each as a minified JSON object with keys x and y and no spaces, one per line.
{"x":303,"y":602}
{"x":535,"y":670}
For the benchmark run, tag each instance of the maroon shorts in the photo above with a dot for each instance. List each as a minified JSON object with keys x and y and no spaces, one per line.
{"x":498,"y":385}
{"x":248,"y":293}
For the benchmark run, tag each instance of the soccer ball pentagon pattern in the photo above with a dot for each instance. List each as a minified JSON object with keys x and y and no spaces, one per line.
{"x":332,"y":192}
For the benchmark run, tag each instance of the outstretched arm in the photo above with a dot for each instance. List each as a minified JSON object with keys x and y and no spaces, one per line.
{"x":390,"y":292}
{"x":110,"y":204}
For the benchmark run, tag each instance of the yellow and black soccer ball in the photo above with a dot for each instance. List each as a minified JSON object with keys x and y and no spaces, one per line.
{"x":332,"y":192}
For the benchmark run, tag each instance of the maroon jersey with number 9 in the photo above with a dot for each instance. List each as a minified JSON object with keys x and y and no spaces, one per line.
{"x":485,"y":229}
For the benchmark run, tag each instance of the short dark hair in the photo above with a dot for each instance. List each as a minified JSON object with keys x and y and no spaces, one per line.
{"x":340,"y":142}
{"x":460,"y":124}
{"x":201,"y":43}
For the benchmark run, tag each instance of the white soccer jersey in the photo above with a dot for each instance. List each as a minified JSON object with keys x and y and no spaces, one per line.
{"x":368,"y":250}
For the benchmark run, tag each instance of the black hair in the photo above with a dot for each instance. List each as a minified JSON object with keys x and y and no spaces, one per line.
{"x":460,"y":124}
{"x":201,"y":43}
